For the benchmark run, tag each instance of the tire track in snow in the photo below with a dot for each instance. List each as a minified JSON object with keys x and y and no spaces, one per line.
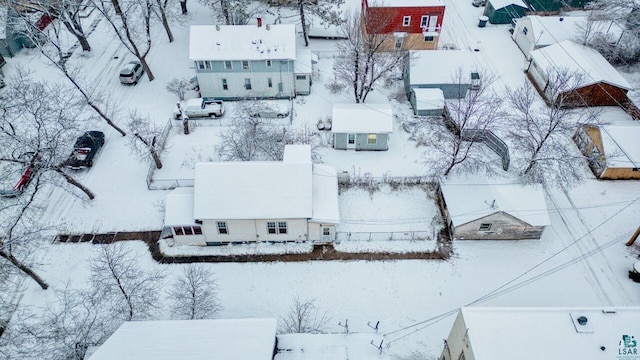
{"x":578,"y":250}
{"x":606,"y":272}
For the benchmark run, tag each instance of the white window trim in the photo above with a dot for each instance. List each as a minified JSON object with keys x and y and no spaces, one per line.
{"x":225,"y":226}
{"x":268,"y":63}
{"x":424,"y":21}
{"x":406,"y":20}
{"x":230,"y":65}
{"x":248,"y":67}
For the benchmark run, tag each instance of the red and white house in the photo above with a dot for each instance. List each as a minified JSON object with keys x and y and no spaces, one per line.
{"x":410,"y":24}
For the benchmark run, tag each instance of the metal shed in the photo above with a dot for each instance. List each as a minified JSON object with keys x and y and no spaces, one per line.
{"x":427,"y":102}
{"x":504,"y":11}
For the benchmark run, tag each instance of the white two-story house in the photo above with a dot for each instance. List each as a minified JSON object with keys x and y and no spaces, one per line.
{"x":235,"y":62}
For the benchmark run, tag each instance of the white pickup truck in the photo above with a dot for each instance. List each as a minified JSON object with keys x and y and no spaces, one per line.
{"x":200,"y":108}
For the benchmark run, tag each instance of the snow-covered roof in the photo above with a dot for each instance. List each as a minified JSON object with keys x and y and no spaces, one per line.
{"x":303,"y":62}
{"x":440,"y":66}
{"x":547,"y":30}
{"x":179,"y":207}
{"x":242,"y":42}
{"x":429,"y":99}
{"x":325,"y":195}
{"x":620,"y":143}
{"x":471,"y":199}
{"x":407,"y":3}
{"x":253,"y":190}
{"x":583,"y":60}
{"x":356,"y":346}
{"x":552,"y":333}
{"x":499,"y":4}
{"x":228,"y":339}
{"x":362,"y":118}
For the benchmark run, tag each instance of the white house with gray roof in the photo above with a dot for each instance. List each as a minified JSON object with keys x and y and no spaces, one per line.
{"x":254,"y":201}
{"x":234,"y":62}
{"x":535,"y":333}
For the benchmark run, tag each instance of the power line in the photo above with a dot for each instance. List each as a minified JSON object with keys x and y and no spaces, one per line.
{"x":506,"y":287}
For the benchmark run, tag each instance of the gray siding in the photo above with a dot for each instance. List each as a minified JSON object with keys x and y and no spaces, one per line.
{"x":450,"y":91}
{"x":503,"y":227}
{"x":423,"y":112}
{"x":210,"y":80}
{"x":382,"y":142}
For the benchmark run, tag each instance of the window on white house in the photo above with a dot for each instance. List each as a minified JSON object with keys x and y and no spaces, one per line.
{"x":225,"y":84}
{"x":406,"y":21}
{"x":372,"y":138}
{"x":187,"y":230}
{"x":228,"y":65}
{"x":301,"y":77}
{"x":201,"y":65}
{"x":276,"y":227}
{"x":245,"y":64}
{"x":222,"y":227}
{"x":207,"y":65}
{"x":269,"y":82}
{"x":351,"y":139}
{"x":485,"y":227}
{"x":247,"y":84}
{"x":268,"y":63}
{"x":282,"y":227}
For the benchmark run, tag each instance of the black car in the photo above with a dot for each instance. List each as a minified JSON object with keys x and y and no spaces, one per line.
{"x":85,"y":150}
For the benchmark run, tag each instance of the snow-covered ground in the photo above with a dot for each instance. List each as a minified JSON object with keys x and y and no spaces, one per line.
{"x":581,"y":259}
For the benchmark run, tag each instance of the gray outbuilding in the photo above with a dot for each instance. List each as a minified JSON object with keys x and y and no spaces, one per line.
{"x":427,"y":102}
{"x":447,"y":70}
{"x":361,"y":126}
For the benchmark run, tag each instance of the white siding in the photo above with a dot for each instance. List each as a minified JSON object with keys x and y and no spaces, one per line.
{"x":211,"y":84}
{"x":254,"y":230}
{"x":458,"y":342}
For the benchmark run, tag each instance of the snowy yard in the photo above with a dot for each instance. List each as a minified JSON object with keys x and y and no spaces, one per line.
{"x":581,"y":259}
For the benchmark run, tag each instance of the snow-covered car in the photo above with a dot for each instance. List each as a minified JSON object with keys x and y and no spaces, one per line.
{"x":269,"y":109}
{"x":85,"y":149}
{"x":199,"y":107}
{"x":24,"y":172}
{"x":478,"y":3}
{"x":131,"y":72}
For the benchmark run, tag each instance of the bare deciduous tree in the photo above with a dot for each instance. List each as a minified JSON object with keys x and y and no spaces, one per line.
{"x":363,"y":58}
{"x":456,"y":141}
{"x":132,"y":24}
{"x":304,"y":317}
{"x":236,"y":12}
{"x":38,"y":118}
{"x":321,"y":12}
{"x":146,"y":137}
{"x":51,"y":42}
{"x":133,"y":291}
{"x":253,"y":138}
{"x":76,"y":321}
{"x":194,"y":294}
{"x":178,"y":87}
{"x":542,"y":135}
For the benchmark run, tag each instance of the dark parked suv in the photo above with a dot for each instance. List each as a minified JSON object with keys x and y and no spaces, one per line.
{"x":85,"y":150}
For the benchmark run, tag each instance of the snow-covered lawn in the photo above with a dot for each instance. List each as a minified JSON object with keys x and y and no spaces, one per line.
{"x":581,"y":259}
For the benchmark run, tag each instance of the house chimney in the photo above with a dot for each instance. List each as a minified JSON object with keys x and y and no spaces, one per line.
{"x":259,"y":21}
